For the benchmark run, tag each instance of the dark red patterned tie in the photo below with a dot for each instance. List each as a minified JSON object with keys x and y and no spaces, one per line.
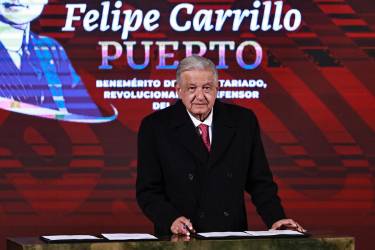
{"x":205,"y":136}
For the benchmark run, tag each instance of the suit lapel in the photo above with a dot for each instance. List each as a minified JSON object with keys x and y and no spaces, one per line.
{"x":186,"y":134}
{"x":7,"y":65}
{"x":222,"y":134}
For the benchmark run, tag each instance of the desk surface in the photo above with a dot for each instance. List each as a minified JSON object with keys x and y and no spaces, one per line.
{"x":310,"y":243}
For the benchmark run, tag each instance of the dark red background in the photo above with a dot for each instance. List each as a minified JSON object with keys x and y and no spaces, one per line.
{"x":317,"y":118}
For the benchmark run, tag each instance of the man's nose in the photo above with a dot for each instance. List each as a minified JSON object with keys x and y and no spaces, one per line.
{"x":199,"y":93}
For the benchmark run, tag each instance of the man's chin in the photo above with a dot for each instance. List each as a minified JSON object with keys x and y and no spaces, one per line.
{"x":199,"y":111}
{"x":14,"y":22}
{"x":199,"y":114}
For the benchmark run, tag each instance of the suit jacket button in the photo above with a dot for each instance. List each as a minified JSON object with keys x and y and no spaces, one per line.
{"x":201,"y":215}
{"x":226,"y":214}
{"x":191,"y":176}
{"x":229,"y":174}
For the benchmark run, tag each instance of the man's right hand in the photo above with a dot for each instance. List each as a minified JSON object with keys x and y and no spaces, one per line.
{"x":182,"y":226}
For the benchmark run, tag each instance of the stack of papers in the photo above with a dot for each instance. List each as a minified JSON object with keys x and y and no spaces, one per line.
{"x":70,"y":237}
{"x":116,"y":236}
{"x":250,"y":234}
{"x":120,"y":236}
{"x":223,"y":234}
{"x":273,"y":233}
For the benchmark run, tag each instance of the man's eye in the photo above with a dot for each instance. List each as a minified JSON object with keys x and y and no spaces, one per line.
{"x":207,"y":89}
{"x":192,"y":88}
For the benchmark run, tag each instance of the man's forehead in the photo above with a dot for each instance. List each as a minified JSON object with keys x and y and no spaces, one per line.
{"x":198,"y":71}
{"x":196,"y":74}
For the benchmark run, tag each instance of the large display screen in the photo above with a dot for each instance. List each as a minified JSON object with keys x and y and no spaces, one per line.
{"x":77,"y":77}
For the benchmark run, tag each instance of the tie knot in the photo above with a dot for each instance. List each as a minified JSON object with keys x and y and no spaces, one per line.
{"x":203,"y":127}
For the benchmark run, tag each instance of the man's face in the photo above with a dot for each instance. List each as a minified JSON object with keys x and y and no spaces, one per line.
{"x":197,"y":89}
{"x":19,"y":12}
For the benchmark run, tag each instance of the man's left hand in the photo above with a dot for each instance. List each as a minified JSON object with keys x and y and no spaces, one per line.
{"x":288,"y":224}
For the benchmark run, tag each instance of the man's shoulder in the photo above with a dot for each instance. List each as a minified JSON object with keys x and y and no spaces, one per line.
{"x":159,"y":116}
{"x":235,"y":111}
{"x":45,"y":41}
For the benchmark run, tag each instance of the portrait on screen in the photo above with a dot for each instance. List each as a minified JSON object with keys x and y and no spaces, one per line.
{"x":36,"y":75}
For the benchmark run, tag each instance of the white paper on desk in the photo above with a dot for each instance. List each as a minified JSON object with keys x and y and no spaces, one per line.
{"x":223,"y":234}
{"x":273,"y":233}
{"x":70,"y":237}
{"x":122,"y":236}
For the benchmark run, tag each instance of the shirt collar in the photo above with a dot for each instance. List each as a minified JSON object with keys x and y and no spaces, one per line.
{"x":11,"y":37}
{"x":207,"y":121}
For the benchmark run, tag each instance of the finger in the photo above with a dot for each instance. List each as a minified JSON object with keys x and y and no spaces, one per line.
{"x":279,"y":224}
{"x":183,"y":231}
{"x":286,"y":223}
{"x":174,"y":230}
{"x":175,"y":225}
{"x":300,"y":228}
{"x":186,"y":221}
{"x":188,"y":224}
{"x":295,"y":226}
{"x":275,"y":226}
{"x":290,"y":223}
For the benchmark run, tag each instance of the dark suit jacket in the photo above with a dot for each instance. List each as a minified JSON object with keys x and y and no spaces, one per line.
{"x":178,"y":177}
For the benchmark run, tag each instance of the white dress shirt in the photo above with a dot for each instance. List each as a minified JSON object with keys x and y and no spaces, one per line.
{"x":12,"y":39}
{"x":207,"y":121}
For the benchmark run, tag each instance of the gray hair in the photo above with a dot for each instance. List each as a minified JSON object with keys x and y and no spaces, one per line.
{"x":195,"y":62}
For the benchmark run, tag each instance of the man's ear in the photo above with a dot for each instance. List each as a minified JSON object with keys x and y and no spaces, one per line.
{"x":178,"y":89}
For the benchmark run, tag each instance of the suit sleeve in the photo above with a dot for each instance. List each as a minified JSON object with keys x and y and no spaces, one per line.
{"x":260,"y":184}
{"x":150,"y":189}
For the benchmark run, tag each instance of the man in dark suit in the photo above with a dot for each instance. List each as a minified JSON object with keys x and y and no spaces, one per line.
{"x":197,"y":157}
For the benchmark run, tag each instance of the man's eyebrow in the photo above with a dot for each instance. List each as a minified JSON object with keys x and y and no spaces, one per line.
{"x":193,"y":83}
